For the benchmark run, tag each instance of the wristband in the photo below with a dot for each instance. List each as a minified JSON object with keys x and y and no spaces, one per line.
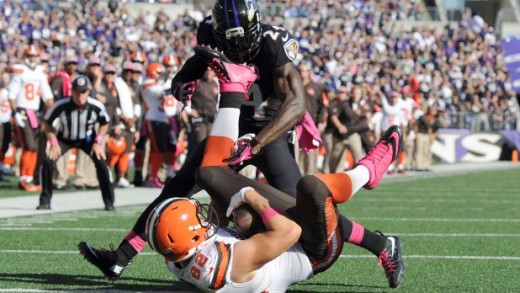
{"x":268,"y":214}
{"x":53,"y":141}
{"x":99,"y":138}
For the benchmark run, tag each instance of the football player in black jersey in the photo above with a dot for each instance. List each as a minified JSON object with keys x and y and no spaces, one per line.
{"x":276,"y":103}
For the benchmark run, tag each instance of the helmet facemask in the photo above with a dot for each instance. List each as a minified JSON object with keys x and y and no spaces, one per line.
{"x":237,"y":29}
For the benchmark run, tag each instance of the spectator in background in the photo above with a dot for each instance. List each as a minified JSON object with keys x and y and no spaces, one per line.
{"x":425,"y":128}
{"x":315,"y":95}
{"x":61,"y":86}
{"x":328,"y":132}
{"x":346,"y":133}
{"x":202,"y":109}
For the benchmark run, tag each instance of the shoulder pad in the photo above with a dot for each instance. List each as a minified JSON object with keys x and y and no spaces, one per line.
{"x":16,"y":69}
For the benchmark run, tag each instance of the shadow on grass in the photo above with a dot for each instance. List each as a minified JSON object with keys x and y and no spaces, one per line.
{"x":83,"y":283}
{"x":345,"y":288}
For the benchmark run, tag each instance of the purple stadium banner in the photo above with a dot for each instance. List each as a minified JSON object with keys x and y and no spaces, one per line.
{"x":511,"y":47}
{"x":462,"y":145}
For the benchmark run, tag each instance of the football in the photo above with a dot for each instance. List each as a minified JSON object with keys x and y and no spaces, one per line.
{"x":247,"y":221}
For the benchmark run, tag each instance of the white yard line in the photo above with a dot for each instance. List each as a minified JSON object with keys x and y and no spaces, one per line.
{"x":453,"y":257}
{"x":109,"y":230}
{"x":448,"y":220}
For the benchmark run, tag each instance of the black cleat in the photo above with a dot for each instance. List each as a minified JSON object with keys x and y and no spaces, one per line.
{"x":44,"y":206}
{"x":392,"y":262}
{"x":104,"y":260}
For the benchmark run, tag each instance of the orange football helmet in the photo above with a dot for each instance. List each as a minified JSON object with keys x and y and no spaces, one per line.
{"x":177,"y":227}
{"x":116,"y":146}
{"x":154,"y":70}
{"x":32,"y":55}
{"x":31,"y":50}
{"x":138,"y":57}
{"x":170,"y":60}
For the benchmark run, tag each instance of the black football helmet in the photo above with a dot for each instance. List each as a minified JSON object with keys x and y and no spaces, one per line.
{"x":237,"y":29}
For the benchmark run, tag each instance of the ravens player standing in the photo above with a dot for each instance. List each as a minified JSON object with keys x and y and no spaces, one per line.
{"x":276,"y":103}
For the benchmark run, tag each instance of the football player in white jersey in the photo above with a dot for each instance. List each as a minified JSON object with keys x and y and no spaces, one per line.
{"x":173,"y":110}
{"x":305,"y":241}
{"x":155,"y":121}
{"x":27,"y":89}
{"x":5,"y":125}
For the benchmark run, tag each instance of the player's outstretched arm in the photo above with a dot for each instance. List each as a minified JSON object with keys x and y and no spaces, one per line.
{"x":251,"y":254}
{"x":289,"y":88}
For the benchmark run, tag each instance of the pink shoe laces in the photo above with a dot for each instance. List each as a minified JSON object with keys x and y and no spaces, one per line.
{"x":386,"y":262}
{"x":378,"y":152}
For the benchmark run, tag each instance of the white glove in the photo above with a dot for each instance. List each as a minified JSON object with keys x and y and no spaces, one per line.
{"x":237,"y":200}
{"x":20,"y":119}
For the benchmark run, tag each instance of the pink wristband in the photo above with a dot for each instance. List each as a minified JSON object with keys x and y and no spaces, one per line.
{"x":53,"y":141}
{"x":268,"y":214}
{"x":99,"y":138}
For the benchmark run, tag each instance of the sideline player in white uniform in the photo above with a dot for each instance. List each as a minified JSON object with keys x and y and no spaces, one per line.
{"x":5,"y":125}
{"x":173,"y":109}
{"x":155,"y":121}
{"x":28,"y":87}
{"x":304,"y":243}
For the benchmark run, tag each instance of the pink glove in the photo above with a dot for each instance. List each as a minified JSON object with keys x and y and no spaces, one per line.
{"x":241,"y":150}
{"x":232,"y":77}
{"x":184,"y":92}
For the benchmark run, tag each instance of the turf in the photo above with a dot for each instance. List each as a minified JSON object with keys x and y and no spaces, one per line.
{"x":460,"y":234}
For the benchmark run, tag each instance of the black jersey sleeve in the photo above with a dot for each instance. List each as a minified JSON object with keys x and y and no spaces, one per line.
{"x":279,"y":44}
{"x":205,"y":33}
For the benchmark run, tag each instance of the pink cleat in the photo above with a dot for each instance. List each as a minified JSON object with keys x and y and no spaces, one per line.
{"x":382,"y":155}
{"x":154,"y":182}
{"x":232,"y":77}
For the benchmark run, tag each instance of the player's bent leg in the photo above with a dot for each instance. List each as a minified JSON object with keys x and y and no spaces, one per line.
{"x":318,"y":216}
{"x":382,"y":155}
{"x":221,"y":183}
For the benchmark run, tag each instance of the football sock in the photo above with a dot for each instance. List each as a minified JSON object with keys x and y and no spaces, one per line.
{"x":224,"y":131}
{"x":155,"y":163}
{"x":122,"y":164}
{"x":359,"y":177}
{"x":345,"y":184}
{"x":358,"y":235}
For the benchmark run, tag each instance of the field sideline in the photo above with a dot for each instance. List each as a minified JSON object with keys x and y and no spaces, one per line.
{"x":460,"y":233}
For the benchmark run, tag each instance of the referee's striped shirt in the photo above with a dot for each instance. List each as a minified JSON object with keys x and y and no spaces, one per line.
{"x":76,"y":126}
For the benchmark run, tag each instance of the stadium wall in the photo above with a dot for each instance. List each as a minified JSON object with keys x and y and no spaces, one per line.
{"x":462,"y":145}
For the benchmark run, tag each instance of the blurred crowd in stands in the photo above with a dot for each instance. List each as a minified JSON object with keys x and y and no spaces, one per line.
{"x":352,"y":51}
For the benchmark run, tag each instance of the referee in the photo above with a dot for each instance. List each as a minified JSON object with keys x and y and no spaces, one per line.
{"x":78,"y":117}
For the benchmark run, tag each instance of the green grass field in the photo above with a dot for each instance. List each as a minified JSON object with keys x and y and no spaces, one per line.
{"x":460,"y":234}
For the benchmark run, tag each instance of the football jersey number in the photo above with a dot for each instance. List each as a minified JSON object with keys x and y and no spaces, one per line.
{"x":200,"y":260}
{"x":31,"y":92}
{"x":276,"y":33}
